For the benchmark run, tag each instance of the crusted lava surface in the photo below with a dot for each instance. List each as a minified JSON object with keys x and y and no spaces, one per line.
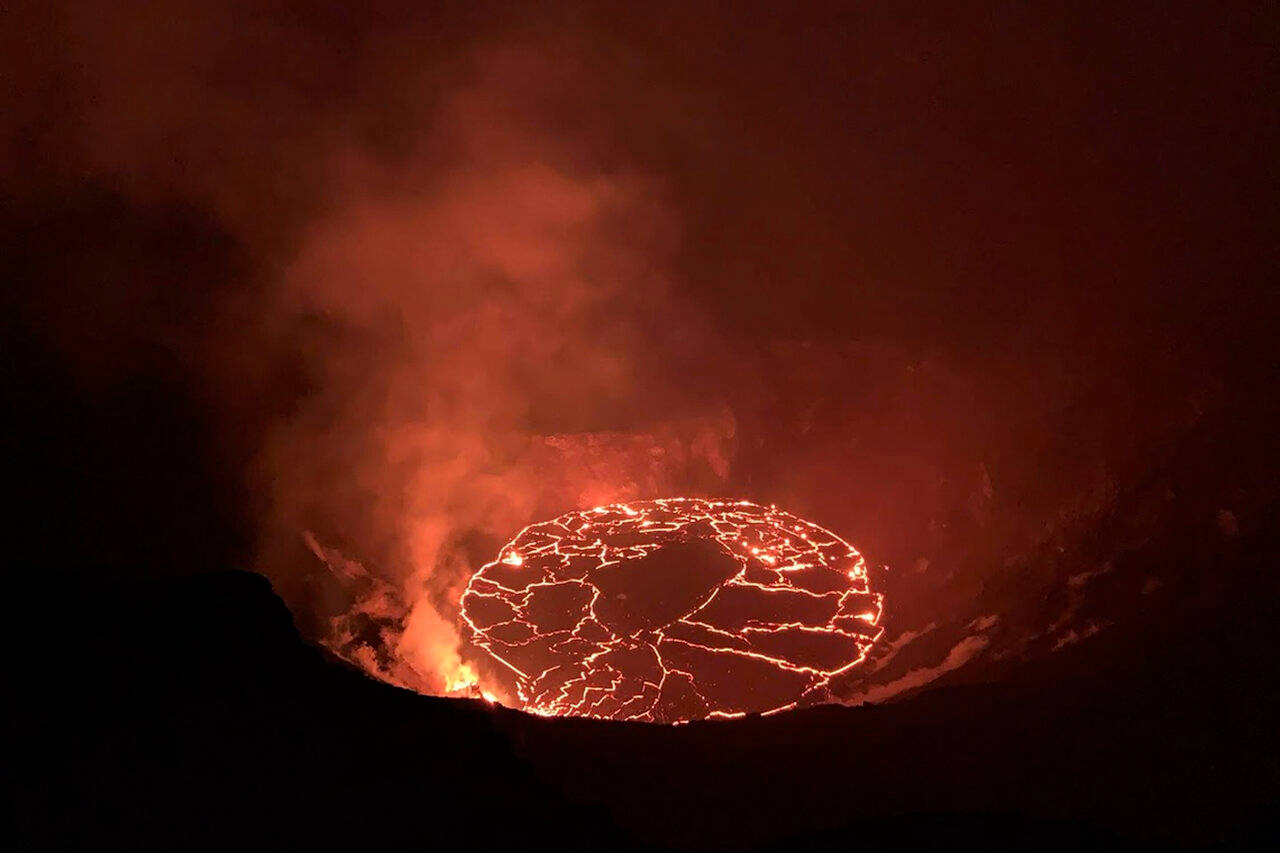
{"x":673,"y":610}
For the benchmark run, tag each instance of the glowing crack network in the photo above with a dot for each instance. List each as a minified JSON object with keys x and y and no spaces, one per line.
{"x":673,"y":610}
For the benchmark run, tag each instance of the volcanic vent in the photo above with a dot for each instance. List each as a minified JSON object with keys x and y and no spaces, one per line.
{"x":673,"y":610}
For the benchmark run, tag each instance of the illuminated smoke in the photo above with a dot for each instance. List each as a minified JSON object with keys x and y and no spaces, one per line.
{"x":487,"y":340}
{"x":672,"y":610}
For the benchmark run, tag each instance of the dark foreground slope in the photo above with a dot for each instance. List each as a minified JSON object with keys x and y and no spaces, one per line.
{"x":188,"y":712}
{"x":199,"y":718}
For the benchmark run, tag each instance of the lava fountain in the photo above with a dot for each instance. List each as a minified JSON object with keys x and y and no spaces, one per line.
{"x":673,"y":610}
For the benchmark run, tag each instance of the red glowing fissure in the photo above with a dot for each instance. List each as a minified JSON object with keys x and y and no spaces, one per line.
{"x":749,"y":609}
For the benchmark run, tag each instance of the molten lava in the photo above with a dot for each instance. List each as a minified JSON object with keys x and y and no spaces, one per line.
{"x":673,"y":610}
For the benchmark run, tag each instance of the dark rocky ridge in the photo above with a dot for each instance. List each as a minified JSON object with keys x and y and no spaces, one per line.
{"x":204,"y":720}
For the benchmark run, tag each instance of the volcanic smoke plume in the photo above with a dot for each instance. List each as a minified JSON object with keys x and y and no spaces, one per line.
{"x":489,"y":338}
{"x":673,"y":610}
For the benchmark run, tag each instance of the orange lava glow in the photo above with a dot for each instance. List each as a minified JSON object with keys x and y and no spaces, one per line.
{"x":463,"y":681}
{"x":673,"y":610}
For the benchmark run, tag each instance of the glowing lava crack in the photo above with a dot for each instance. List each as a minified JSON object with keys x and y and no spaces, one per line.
{"x":673,"y":610}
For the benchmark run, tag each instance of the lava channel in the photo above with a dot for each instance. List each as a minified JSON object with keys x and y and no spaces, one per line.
{"x":673,"y":610}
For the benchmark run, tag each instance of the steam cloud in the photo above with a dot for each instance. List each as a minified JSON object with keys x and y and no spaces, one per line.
{"x":485,"y":324}
{"x":477,"y":306}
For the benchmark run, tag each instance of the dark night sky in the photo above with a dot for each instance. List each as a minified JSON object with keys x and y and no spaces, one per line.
{"x":952,"y":279}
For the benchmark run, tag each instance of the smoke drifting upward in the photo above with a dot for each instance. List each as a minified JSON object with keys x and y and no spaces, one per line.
{"x":482,"y":331}
{"x":458,"y":310}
